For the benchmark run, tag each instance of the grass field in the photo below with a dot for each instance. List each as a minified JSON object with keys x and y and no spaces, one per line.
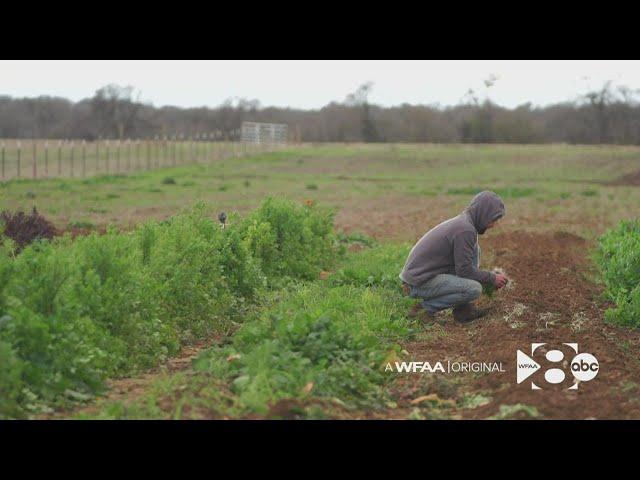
{"x":388,"y":191}
{"x":559,"y":199}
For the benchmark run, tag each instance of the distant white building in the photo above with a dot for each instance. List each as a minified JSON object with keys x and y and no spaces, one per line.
{"x":271,"y":133}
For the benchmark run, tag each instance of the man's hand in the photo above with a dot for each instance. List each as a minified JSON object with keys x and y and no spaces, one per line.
{"x":500,"y":281}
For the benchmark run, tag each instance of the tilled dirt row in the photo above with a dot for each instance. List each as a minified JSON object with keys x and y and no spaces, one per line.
{"x":551,"y":301}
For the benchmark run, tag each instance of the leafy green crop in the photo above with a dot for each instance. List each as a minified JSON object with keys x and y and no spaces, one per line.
{"x":290,"y":241}
{"x":333,"y":339}
{"x":379,"y":266}
{"x":76,"y":312}
{"x":618,"y":258}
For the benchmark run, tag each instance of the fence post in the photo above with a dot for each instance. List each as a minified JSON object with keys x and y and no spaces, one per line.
{"x":59,"y":158}
{"x":159,"y":152}
{"x":71,"y":158}
{"x":128,"y":154}
{"x":3,"y":160}
{"x":97,"y":155}
{"x":234,"y":145}
{"x":154,"y":153}
{"x":173,"y":151}
{"x":106,"y":147}
{"x":164,"y":151}
{"x":84,"y":158}
{"x":135,"y":160}
{"x":19,"y":154}
{"x":46,"y":159}
{"x":196,"y":146}
{"x":35,"y":159}
{"x":148,"y":154}
{"x":117,"y":156}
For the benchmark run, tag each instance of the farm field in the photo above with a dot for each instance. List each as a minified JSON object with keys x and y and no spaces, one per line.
{"x":560,"y":199}
{"x":386,"y":191}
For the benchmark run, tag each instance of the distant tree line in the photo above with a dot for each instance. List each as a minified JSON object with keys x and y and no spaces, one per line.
{"x":607,"y":115}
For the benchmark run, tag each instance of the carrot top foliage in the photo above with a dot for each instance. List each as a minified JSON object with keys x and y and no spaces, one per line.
{"x":618,"y":258}
{"x":76,"y":312}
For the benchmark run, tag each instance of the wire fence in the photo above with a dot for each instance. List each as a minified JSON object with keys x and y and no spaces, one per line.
{"x":43,"y":158}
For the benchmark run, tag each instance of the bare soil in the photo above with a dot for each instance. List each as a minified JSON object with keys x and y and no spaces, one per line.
{"x":127,"y":390}
{"x":552,"y":301}
{"x":630,"y":179}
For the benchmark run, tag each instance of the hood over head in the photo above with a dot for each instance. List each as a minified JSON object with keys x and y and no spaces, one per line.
{"x":485,"y":208}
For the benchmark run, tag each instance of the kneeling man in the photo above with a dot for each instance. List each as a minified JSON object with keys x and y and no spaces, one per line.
{"x":443,"y":267}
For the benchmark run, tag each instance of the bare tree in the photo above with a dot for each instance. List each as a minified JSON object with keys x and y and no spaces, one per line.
{"x":360,"y":99}
{"x":600,"y":101}
{"x":116,"y":109}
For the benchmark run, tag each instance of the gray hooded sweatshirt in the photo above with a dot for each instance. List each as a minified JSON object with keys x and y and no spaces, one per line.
{"x":450,"y":246}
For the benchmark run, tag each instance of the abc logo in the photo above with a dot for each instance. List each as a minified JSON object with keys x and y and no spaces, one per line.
{"x":584,"y":367}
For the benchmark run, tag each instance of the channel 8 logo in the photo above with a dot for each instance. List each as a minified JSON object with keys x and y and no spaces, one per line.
{"x":583,"y":366}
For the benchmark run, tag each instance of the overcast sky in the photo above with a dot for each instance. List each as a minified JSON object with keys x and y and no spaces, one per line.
{"x":313,"y":84}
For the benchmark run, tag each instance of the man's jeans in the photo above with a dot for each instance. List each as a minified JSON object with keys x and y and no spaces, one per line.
{"x":446,"y":291}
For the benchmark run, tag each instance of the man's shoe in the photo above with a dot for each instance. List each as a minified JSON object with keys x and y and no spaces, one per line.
{"x":468,"y":312}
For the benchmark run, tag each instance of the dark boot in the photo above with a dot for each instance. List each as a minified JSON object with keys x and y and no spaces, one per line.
{"x":468,"y":312}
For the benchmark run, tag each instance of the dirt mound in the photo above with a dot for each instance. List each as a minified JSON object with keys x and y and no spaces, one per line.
{"x":632,"y":179}
{"x":24,"y":229}
{"x":552,"y":301}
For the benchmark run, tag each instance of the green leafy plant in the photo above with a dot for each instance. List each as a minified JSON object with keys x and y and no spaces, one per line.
{"x":380,"y":266}
{"x":76,"y":312}
{"x":331,"y":340}
{"x":290,"y":240}
{"x":590,"y":193}
{"x":618,"y":259}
